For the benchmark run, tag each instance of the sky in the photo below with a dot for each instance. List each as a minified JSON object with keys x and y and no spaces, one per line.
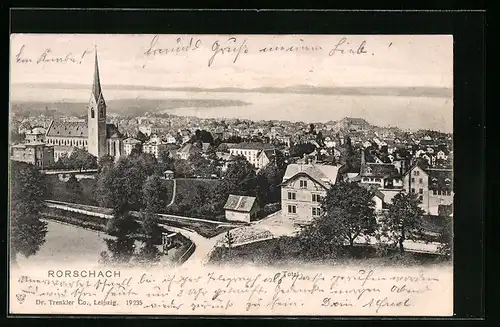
{"x":389,"y":61}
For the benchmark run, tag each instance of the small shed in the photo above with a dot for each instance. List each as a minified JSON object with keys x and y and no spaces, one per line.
{"x":241,"y":208}
{"x":168,"y":174}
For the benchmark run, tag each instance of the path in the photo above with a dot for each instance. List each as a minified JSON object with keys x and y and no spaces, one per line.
{"x":203,"y":245}
{"x":174,"y":190}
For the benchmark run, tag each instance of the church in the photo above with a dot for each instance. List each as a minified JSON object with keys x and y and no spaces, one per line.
{"x":93,"y":135}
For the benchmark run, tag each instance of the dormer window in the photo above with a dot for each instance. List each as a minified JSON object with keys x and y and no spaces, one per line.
{"x":368,"y":170}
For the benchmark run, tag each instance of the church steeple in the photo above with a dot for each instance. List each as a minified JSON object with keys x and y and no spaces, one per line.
{"x":96,"y":86}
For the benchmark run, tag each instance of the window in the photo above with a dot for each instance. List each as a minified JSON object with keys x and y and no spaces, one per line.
{"x":421,"y":198}
{"x":420,"y":180}
{"x":412,"y":190}
{"x":92,"y":113}
{"x":303,"y":184}
{"x":377,"y":180}
{"x":416,"y":173}
{"x":420,"y":191}
{"x":433,"y":192}
{"x":316,"y":211}
{"x":413,"y":180}
{"x":365,"y":179}
{"x":291,"y":196}
{"x":292,"y":209}
{"x":316,"y":198}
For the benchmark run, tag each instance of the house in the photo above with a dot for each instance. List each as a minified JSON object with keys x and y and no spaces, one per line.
{"x":442,"y":155}
{"x":378,"y":196}
{"x":302,"y":189}
{"x":241,"y":208}
{"x":154,"y":146}
{"x":185,"y":135}
{"x":381,"y":174}
{"x":35,"y":153}
{"x":226,"y":159}
{"x":129,"y":144}
{"x":168,"y":174}
{"x":37,"y":134}
{"x":187,"y":150}
{"x":170,"y":139}
{"x":265,"y":157}
{"x":434,"y":187}
{"x":250,"y":150}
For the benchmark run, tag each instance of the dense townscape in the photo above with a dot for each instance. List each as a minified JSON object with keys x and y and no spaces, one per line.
{"x":355,"y":181}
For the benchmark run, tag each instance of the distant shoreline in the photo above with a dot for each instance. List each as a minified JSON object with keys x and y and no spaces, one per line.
{"x":416,"y":91}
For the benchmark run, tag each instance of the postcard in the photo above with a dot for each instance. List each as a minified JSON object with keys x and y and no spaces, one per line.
{"x":231,"y":175}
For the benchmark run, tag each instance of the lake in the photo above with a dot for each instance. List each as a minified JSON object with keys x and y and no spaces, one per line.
{"x":411,"y":112}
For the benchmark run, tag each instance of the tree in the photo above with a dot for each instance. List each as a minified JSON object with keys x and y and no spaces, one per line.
{"x":26,"y":198}
{"x":445,"y":238}
{"x":300,"y":149}
{"x":63,"y":162}
{"x":151,"y":235}
{"x":74,"y":190}
{"x":229,"y":240}
{"x":105,"y":161}
{"x":403,"y":220}
{"x":321,"y":239}
{"x":153,"y":192}
{"x":141,"y":137}
{"x":182,"y":168}
{"x":240,"y":177}
{"x":351,"y":211}
{"x":82,"y":159}
{"x":137,"y":150}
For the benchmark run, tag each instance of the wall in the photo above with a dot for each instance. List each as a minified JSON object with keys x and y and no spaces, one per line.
{"x":249,"y":154}
{"x":237,"y":216}
{"x":303,"y":198}
{"x":420,"y":181}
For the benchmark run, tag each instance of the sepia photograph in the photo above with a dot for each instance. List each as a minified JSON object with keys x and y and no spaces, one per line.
{"x":231,"y":174}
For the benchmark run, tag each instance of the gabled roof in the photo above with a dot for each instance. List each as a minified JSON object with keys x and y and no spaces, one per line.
{"x":240,"y":203}
{"x":379,"y":170}
{"x":189,"y":148}
{"x":67,"y":129}
{"x":325,"y":175}
{"x":269,"y":153}
{"x":131,"y":140}
{"x":372,"y":188}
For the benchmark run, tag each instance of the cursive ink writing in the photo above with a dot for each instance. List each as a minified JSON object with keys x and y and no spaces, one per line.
{"x":229,"y":48}
{"x":362,"y":291}
{"x":342,"y":47}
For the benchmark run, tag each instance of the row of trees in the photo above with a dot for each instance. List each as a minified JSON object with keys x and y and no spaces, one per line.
{"x":78,"y":159}
{"x":348,"y":214}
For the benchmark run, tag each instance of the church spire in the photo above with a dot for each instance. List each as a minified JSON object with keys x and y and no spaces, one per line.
{"x":96,"y":86}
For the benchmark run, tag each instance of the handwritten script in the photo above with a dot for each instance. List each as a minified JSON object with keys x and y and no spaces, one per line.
{"x":233,"y":292}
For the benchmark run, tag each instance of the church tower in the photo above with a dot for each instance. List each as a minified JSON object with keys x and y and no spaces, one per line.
{"x":97,"y":116}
